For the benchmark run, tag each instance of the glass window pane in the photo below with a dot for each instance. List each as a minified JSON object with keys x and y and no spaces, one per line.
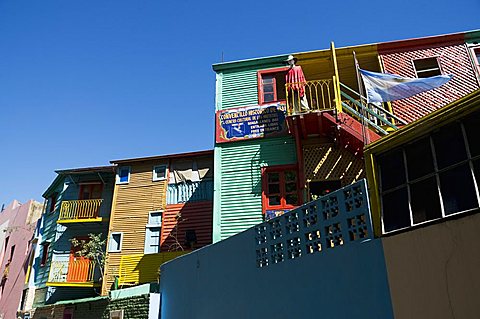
{"x":290,"y":176}
{"x":273,"y":177}
{"x":123,"y":174}
{"x":396,"y":214}
{"x":449,"y":146}
{"x":155,"y":218}
{"x":419,"y":159}
{"x":273,"y":200}
{"x":392,"y":169}
{"x":291,"y":199}
{"x":425,"y":200}
{"x":273,"y":188}
{"x":268,"y":97}
{"x":472,"y":128}
{"x":457,"y":188}
{"x":291,"y":187}
{"x":160,"y":172}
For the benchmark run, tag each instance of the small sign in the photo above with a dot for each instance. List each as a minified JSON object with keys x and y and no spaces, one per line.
{"x":250,"y":122}
{"x":269,"y":214}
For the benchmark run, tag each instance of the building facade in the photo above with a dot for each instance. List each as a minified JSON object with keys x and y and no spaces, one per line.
{"x":162,"y":209}
{"x":272,"y":156}
{"x":78,"y":204}
{"x":17,"y":225}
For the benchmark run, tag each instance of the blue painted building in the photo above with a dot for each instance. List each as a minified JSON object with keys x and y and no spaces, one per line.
{"x":78,"y":203}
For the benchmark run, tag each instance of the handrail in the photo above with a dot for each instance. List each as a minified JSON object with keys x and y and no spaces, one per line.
{"x":79,"y":270}
{"x":351,"y":110}
{"x":381,"y":119}
{"x":376,"y":106}
{"x":80,"y":209}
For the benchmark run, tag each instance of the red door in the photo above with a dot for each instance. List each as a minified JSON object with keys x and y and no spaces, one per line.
{"x":79,"y":268}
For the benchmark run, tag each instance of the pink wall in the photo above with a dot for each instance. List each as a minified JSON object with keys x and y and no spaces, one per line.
{"x":453,"y":58}
{"x":19,"y":233}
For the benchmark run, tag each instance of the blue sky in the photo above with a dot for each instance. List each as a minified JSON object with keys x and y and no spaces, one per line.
{"x":85,"y":82}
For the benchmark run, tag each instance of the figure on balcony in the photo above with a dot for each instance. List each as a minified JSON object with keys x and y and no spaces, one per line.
{"x":296,"y":86}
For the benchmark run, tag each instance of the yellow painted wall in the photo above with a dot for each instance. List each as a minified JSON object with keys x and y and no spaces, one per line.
{"x":131,"y":204}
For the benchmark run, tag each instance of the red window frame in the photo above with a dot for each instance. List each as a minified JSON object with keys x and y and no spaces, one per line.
{"x":260,"y":75}
{"x":281,"y":169}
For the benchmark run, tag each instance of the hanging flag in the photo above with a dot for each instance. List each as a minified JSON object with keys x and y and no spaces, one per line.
{"x":381,"y":87}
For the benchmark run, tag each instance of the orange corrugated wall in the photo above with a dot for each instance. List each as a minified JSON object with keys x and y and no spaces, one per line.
{"x":197,"y":216}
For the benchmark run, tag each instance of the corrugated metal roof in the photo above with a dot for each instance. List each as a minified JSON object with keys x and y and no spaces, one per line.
{"x":82,"y":300}
{"x":168,"y":156}
{"x":82,"y":170}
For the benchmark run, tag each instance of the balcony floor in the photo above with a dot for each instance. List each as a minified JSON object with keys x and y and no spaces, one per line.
{"x":82,"y":220}
{"x":73,"y":284}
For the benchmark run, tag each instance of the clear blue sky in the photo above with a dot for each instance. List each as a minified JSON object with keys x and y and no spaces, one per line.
{"x":85,"y":82}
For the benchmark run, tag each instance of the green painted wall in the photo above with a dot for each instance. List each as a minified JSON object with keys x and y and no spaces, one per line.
{"x":238,"y":191}
{"x":237,"y":184}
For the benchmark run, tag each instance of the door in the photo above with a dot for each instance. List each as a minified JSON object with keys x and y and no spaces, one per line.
{"x":87,"y":207}
{"x":80,"y":269}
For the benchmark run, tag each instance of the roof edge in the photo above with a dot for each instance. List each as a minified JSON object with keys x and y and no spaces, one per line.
{"x":159,"y":157}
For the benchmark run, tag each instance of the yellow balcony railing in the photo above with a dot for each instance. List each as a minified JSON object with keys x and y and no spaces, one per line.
{"x":80,"y":209}
{"x":72,"y":273}
{"x":142,"y":268}
{"x":318,"y":95}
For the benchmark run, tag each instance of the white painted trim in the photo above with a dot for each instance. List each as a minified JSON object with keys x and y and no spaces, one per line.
{"x":110,"y":239}
{"x":155,"y":178}
{"x":117,"y":177}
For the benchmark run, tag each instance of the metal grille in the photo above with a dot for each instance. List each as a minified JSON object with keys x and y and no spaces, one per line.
{"x":334,"y":220}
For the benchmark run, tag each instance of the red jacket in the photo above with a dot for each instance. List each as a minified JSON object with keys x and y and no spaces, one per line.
{"x":295,"y":76}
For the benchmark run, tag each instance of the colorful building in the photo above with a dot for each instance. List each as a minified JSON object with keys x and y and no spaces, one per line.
{"x":270,"y":156}
{"x":17,"y":224}
{"x":323,"y":259}
{"x":162,"y":208}
{"x":78,"y":204}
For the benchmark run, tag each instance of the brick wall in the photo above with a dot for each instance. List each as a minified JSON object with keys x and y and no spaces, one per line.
{"x":453,"y":59}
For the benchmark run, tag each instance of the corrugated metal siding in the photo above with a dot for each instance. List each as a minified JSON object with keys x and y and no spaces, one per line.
{"x":454,"y":59}
{"x":239,"y":89}
{"x":197,"y":216}
{"x":132,"y":204}
{"x":139,"y":268}
{"x":238,"y":179}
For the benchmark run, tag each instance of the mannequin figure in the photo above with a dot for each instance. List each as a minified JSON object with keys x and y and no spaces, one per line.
{"x":296,"y":79}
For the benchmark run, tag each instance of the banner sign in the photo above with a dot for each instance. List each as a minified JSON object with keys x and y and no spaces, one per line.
{"x":250,"y":122}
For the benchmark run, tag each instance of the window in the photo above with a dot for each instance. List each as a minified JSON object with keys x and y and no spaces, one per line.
{"x":153,"y":232}
{"x":280,"y":190}
{"x":271,"y":85}
{"x":52,"y":202}
{"x":431,"y":178}
{"x":159,"y":172}
{"x":476,"y":57}
{"x":123,"y":175}
{"x":43,"y":260}
{"x":115,"y":242}
{"x":427,"y":67}
{"x":90,"y":191}
{"x":190,"y":238}
{"x":116,"y":314}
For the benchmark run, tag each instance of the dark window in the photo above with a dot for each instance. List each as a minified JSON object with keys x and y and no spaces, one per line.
{"x":392,"y":169}
{"x":427,"y":67}
{"x":396,"y":214}
{"x":419,"y":159}
{"x":12,"y":252}
{"x":472,"y":129}
{"x":53,"y":202}
{"x":425,"y":200}
{"x":449,"y":146}
{"x":44,"y":258}
{"x":322,"y":188}
{"x":458,"y":191}
{"x":190,"y":238}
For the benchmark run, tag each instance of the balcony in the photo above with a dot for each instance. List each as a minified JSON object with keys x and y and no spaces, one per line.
{"x":77,"y":272}
{"x":80,"y":211}
{"x":319,"y":96}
